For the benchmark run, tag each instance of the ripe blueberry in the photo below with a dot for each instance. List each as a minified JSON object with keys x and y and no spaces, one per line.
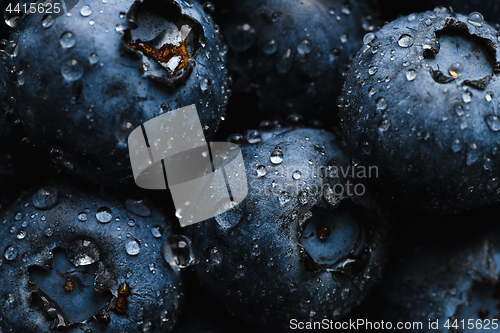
{"x":72,"y":260}
{"x":83,"y":81}
{"x":296,"y":247}
{"x":421,"y":101}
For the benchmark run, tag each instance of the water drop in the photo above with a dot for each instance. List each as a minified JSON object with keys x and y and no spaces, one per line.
{"x":67,"y":40}
{"x":86,"y":11}
{"x":21,"y":234}
{"x":384,"y":125}
{"x":456,"y":146}
{"x":411,"y":75}
{"x":372,"y":70}
{"x":270,"y":47}
{"x":253,"y":136}
{"x":176,"y":250}
{"x":133,"y":247}
{"x":459,"y":110}
{"x":49,"y":232}
{"x":10,"y":253}
{"x":45,"y":197}
{"x":156,"y":231}
{"x":381,"y":103}
{"x":345,"y":293}
{"x":366,"y":147}
{"x":204,"y":84}
{"x":71,"y":70}
{"x":304,"y":47}
{"x":296,"y":175}
{"x":493,"y":122}
{"x":215,"y":256}
{"x":303,"y":198}
{"x":488,"y":96}
{"x":276,"y":156}
{"x":467,"y":96}
{"x":104,"y":215}
{"x":476,"y":19}
{"x":82,"y":217}
{"x":284,"y":197}
{"x":369,"y":39}
{"x":261,"y":171}
{"x":330,"y":196}
{"x":405,"y":40}
{"x":456,"y":69}
{"x":120,"y":27}
{"x":93,"y":58}
{"x":48,"y":21}
{"x":473,"y":154}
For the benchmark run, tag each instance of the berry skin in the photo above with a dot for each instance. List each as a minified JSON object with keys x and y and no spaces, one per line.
{"x":75,"y":261}
{"x":449,"y":273}
{"x":83,"y":82}
{"x":293,"y":53}
{"x":293,"y":248}
{"x":421,"y":102}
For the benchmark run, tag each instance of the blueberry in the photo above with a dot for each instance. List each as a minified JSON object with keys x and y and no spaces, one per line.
{"x":444,"y":273}
{"x":297,"y":247}
{"x":75,"y":261}
{"x":85,"y":80}
{"x":293,"y":54}
{"x":421,"y":101}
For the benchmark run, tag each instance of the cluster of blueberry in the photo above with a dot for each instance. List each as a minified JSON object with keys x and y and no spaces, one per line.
{"x":379,"y":149}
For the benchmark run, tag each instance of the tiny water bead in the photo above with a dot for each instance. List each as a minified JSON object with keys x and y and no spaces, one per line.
{"x":177,"y":251}
{"x":405,"y":41}
{"x":276,"y":156}
{"x":133,"y":247}
{"x":104,"y":215}
{"x":493,"y":122}
{"x":46,"y":197}
{"x":10,"y":253}
{"x":296,"y":175}
{"x":157,"y":231}
{"x":381,"y":103}
{"x":270,"y":47}
{"x":304,"y":47}
{"x":261,"y":171}
{"x":67,"y":40}
{"x":456,"y":69}
{"x":476,"y":19}
{"x":82,"y":217}
{"x":411,"y":75}
{"x":72,"y":70}
{"x":384,"y":125}
{"x":86,"y":11}
{"x":253,"y":136}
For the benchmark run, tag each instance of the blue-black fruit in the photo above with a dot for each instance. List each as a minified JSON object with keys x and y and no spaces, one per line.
{"x":84,"y":80}
{"x":75,"y":261}
{"x":421,"y":102}
{"x":294,"y":54}
{"x":296,"y":247}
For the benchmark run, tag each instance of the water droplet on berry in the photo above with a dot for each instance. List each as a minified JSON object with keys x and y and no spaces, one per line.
{"x":176,"y":250}
{"x":476,"y":19}
{"x":71,"y":70}
{"x":411,"y":75}
{"x":405,"y":40}
{"x":369,"y":39}
{"x":104,"y":215}
{"x":261,"y":171}
{"x":493,"y":122}
{"x":133,"y":247}
{"x":296,"y":175}
{"x":67,"y":40}
{"x":45,"y":197}
{"x":86,"y":11}
{"x":384,"y":125}
{"x":270,"y":47}
{"x":253,"y":136}
{"x":304,"y":47}
{"x":276,"y":156}
{"x":456,"y":69}
{"x":10,"y":253}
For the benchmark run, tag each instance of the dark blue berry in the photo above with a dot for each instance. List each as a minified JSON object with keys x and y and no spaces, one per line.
{"x":296,"y":247}
{"x":421,"y":101}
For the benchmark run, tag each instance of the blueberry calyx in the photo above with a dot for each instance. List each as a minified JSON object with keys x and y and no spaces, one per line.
{"x":167,"y":41}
